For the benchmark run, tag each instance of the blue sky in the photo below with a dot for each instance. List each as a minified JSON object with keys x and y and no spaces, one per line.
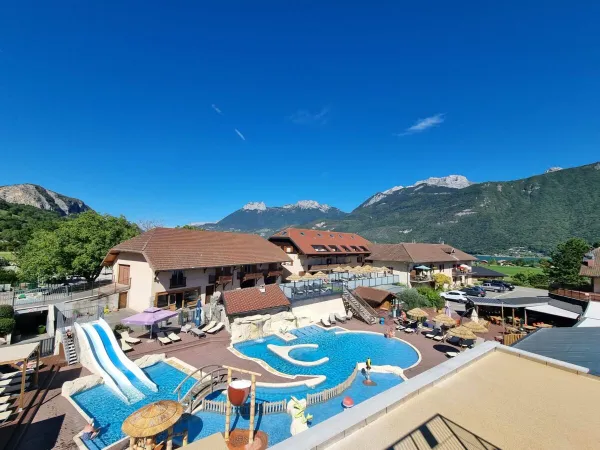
{"x":134,"y":106}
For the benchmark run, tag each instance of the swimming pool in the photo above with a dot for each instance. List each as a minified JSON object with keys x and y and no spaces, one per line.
{"x":344,"y":350}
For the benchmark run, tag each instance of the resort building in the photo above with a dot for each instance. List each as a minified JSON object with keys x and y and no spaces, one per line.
{"x":590,"y":267}
{"x":320,"y":250}
{"x":175,"y":267}
{"x":416,"y":263}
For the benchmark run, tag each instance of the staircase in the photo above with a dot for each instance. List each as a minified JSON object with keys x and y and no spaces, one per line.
{"x":70,"y":349}
{"x":213,"y":378}
{"x":359,"y":307}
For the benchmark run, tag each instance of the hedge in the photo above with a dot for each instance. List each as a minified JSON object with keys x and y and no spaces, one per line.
{"x":6,"y":326}
{"x":7,"y":312}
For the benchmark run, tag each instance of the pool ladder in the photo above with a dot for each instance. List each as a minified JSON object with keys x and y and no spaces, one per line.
{"x":212,"y":378}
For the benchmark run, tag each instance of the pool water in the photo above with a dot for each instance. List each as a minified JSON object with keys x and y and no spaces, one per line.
{"x":344,"y":350}
{"x":109,"y":411}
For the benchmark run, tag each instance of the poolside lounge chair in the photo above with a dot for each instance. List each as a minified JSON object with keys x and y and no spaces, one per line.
{"x":467,"y":343}
{"x":332,"y":318}
{"x":339,"y":317}
{"x":439,"y":337}
{"x":15,"y":374}
{"x":453,"y":340}
{"x":173,"y":337}
{"x":186,"y":328}
{"x":197,"y":332}
{"x":125,"y":346}
{"x":14,"y":380}
{"x":130,"y":340}
{"x":5,"y":399}
{"x":163,"y":339}
{"x":452,"y":354}
{"x":216,"y":328}
{"x":210,"y":325}
{"x":433,"y":334}
{"x":349,"y":315}
{"x":5,"y":415}
{"x":4,"y":407}
{"x":12,"y":388}
{"x":325,"y":321}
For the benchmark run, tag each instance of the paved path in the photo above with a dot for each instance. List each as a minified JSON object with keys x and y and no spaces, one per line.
{"x":520,"y":291}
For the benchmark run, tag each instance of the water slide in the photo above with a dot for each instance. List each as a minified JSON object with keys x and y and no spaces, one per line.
{"x":116,"y":369}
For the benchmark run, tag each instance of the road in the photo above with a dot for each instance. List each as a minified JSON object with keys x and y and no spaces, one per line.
{"x":520,"y":291}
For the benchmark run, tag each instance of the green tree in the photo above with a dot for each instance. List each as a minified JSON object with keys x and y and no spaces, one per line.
{"x":75,"y":248}
{"x":191,"y":227}
{"x":441,"y":279}
{"x":411,"y":298}
{"x":566,"y":262}
{"x":433,"y":297}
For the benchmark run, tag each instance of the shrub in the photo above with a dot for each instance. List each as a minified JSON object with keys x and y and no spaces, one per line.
{"x":441,"y":279}
{"x":538,"y":280}
{"x":7,"y":325}
{"x":433,"y":297}
{"x":412,"y":299}
{"x":7,"y":312}
{"x":521,"y":278}
{"x":120,"y":327}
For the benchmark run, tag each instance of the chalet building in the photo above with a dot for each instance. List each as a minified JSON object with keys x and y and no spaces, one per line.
{"x":175,"y":267}
{"x":320,"y":250}
{"x":590,"y":267}
{"x":416,"y":263}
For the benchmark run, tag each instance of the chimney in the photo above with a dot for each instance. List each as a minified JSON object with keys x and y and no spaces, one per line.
{"x":262,"y":288}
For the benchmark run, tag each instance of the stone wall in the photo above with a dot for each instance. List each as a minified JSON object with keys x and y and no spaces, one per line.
{"x":254,"y":327}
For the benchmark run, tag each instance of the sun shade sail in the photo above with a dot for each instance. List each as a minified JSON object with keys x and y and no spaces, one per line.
{"x":150,"y":316}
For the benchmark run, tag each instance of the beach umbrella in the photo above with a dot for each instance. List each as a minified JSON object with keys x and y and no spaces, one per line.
{"x":417,"y":312}
{"x":152,"y":419}
{"x":308,"y":276}
{"x":367,"y":268}
{"x":445,"y":320}
{"x":321,"y":275}
{"x":338,"y":269}
{"x":475,"y":327}
{"x":423,"y":268}
{"x":348,"y":268}
{"x":462,"y":333}
{"x":294,"y":278}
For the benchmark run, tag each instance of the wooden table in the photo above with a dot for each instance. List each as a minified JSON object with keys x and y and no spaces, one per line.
{"x":529,"y":327}
{"x":496,"y":319}
{"x":544,"y":325}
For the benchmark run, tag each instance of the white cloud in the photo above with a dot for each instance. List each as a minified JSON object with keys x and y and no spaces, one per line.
{"x":305,"y":117}
{"x":240,"y":134}
{"x":216,"y":108}
{"x":423,"y":124}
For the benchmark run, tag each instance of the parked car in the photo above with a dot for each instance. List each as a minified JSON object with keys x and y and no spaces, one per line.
{"x":455,"y":296}
{"x":475,"y":291}
{"x":493,"y":287}
{"x":506,"y":284}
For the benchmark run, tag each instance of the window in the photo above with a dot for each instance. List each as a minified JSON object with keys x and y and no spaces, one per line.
{"x":319,"y":248}
{"x":302,"y":233}
{"x":283,"y":233}
{"x":440,"y":267}
{"x":340,"y":235}
{"x":355,"y":248}
{"x":331,"y":235}
{"x":351,"y":236}
{"x":359,"y":259}
{"x":288,"y":249}
{"x":162,"y":301}
{"x":334,"y":248}
{"x":345,"y":248}
{"x":362,"y":247}
{"x":319,"y":234}
{"x":177,"y":279}
{"x":250,"y":268}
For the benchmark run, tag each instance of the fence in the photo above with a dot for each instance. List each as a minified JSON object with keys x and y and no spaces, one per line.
{"x":327,"y":394}
{"x":47,"y":347}
{"x":577,"y":295}
{"x":510,"y":339}
{"x":220,"y":407}
{"x":82,"y":315}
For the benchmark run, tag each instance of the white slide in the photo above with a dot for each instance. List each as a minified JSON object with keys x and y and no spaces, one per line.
{"x":125,"y":361}
{"x":99,"y":351}
{"x":89,"y":361}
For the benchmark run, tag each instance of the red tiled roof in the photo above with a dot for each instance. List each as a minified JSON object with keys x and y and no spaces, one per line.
{"x":179,"y":248}
{"x":418,"y":253}
{"x":252,"y":299}
{"x":592,"y":268}
{"x":304,"y":240}
{"x":374,"y":295}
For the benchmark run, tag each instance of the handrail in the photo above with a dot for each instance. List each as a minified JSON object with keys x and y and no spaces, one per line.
{"x":364,"y":304}
{"x":213,"y":377}
{"x":327,"y":394}
{"x":192,"y":374}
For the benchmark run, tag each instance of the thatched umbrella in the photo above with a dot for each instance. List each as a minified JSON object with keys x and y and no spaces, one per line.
{"x":338,"y":269}
{"x":320,"y":274}
{"x":367,"y":268}
{"x":348,"y":268}
{"x":151,"y":420}
{"x":308,"y":276}
{"x":294,"y":277}
{"x":417,"y":312}
{"x":462,"y":333}
{"x":475,"y":327}
{"x":445,"y":320}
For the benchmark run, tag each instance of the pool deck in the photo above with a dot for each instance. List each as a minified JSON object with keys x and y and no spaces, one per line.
{"x":57,"y":421}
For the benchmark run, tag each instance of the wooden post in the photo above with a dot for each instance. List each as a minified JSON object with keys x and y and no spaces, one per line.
{"x":37,"y":367}
{"x":21,"y":399}
{"x":228,"y":412}
{"x":513,"y":316}
{"x":525,"y":311}
{"x":502,"y":306}
{"x":252,"y":407}
{"x":170,"y":438}
{"x":132,"y":443}
{"x":185,"y":438}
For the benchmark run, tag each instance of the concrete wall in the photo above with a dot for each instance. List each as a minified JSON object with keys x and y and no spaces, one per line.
{"x":596,"y":284}
{"x":317,"y":308}
{"x":138,"y":297}
{"x":398,"y":268}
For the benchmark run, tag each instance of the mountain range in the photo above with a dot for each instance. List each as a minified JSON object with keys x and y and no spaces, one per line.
{"x":42,"y":198}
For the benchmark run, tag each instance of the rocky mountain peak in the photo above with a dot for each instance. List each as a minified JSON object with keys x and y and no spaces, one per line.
{"x":553,"y":169}
{"x":308,"y":204}
{"x":451,"y":181}
{"x":255,"y":206}
{"x":42,"y":198}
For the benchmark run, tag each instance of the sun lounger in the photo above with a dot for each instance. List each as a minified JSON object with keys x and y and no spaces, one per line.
{"x":452,"y":354}
{"x":163,"y":339}
{"x":12,"y":388}
{"x":410,"y":330}
{"x":210,"y":325}
{"x":439,"y":337}
{"x":4,"y":407}
{"x":186,"y":328}
{"x":216,"y":328}
{"x":453,"y":340}
{"x":432,"y":335}
{"x":325,"y":321}
{"x":125,"y":346}
{"x":173,"y":337}
{"x":5,"y":399}
{"x":17,"y":373}
{"x":197,"y":332}
{"x":332,"y":318}
{"x":349,"y":315}
{"x":9,"y":381}
{"x":130,"y":340}
{"x":5,"y":415}
{"x":467,"y":343}
{"x":339,"y":317}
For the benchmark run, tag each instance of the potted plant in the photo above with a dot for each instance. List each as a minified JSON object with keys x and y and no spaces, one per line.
{"x":41,"y":329}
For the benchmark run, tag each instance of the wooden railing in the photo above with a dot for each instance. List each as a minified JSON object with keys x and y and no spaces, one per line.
{"x":577,"y":295}
{"x":510,"y":339}
{"x":327,"y":394}
{"x":220,"y":407}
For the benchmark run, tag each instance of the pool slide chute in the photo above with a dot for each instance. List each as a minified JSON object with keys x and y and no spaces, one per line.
{"x":88,"y":360}
{"x":135,"y":371}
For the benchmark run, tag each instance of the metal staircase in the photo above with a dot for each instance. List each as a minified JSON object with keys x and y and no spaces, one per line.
{"x":212,"y":378}
{"x":70,"y":349}
{"x":359,"y":306}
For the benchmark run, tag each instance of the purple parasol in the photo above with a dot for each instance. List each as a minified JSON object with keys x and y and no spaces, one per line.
{"x":150,"y":316}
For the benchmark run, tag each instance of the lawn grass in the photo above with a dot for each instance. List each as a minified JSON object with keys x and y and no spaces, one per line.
{"x":9,"y":256}
{"x":511,"y":270}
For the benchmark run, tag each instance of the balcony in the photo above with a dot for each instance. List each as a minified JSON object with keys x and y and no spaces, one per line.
{"x":576,"y":295}
{"x":245,"y":276}
{"x":421,"y":279}
{"x":304,"y":290}
{"x":275,"y":273}
{"x":460,"y":273}
{"x":179,"y":282}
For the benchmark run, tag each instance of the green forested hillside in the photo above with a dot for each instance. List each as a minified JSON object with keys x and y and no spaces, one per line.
{"x":17,"y":222}
{"x":535,"y":213}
